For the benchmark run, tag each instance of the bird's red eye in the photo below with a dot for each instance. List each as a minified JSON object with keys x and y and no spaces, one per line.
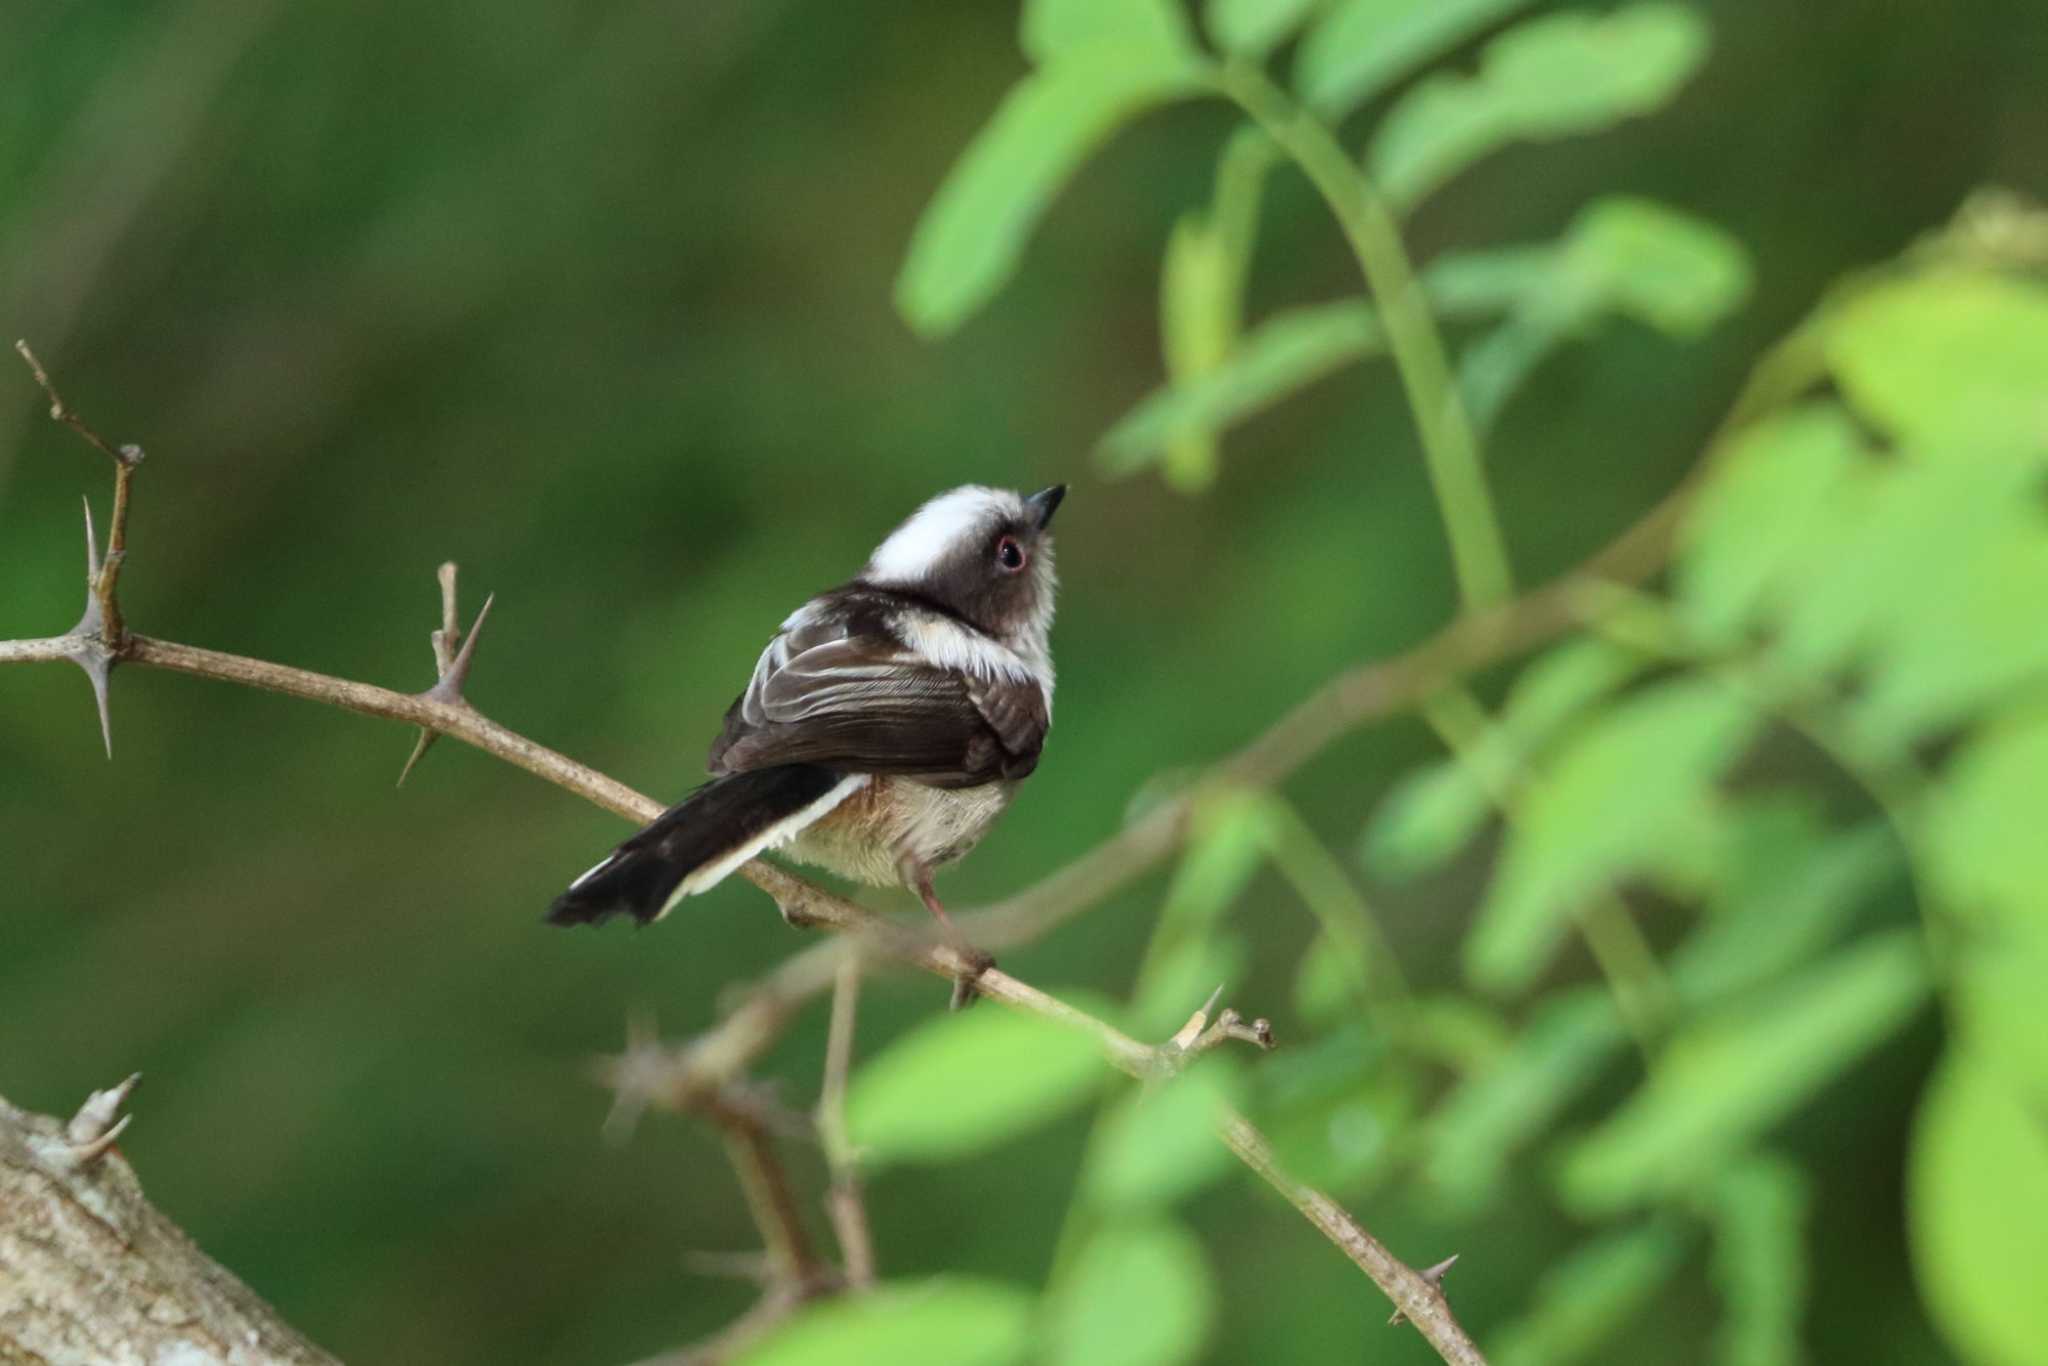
{"x":1009,"y":554}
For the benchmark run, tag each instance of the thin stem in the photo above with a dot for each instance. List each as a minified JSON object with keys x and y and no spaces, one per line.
{"x":769,"y":1199}
{"x":844,"y":1201}
{"x":1449,"y":447}
{"x":1347,"y":919}
{"x":104,"y":574}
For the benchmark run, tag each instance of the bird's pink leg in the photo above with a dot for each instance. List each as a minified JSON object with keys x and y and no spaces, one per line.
{"x":919,"y":879}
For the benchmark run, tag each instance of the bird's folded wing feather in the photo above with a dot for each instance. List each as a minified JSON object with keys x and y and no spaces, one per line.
{"x":868,"y":703}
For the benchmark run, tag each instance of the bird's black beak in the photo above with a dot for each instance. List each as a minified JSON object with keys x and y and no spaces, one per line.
{"x":1045,"y":503}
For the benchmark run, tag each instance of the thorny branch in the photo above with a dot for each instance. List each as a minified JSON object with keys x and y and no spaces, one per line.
{"x":703,"y":1074}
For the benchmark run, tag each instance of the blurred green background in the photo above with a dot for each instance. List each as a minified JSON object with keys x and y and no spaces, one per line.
{"x":595,"y":299}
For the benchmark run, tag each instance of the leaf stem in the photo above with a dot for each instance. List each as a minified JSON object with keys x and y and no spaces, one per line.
{"x":1449,"y":447}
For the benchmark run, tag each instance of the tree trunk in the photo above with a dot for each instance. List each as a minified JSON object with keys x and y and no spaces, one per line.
{"x":92,"y":1274}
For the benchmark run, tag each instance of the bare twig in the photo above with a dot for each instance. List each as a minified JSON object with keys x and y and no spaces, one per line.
{"x":1199,"y":1035}
{"x":103,"y":575}
{"x":1418,"y":1299}
{"x":845,"y":1203}
{"x":765,"y":1182}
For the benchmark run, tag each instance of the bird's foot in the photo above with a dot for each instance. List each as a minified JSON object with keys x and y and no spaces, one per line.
{"x":978,"y":962}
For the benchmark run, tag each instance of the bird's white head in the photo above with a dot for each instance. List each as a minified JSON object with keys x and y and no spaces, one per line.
{"x":983,"y":553}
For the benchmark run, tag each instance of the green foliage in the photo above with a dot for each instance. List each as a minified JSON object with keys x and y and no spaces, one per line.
{"x":1758,"y":1209}
{"x":1328,"y":983}
{"x":1553,"y":77}
{"x":1621,"y":258}
{"x":1499,"y":1109}
{"x":1432,"y":813}
{"x":1729,"y":1077}
{"x":1145,"y":31}
{"x":947,"y":1321}
{"x":1986,"y":856}
{"x":1336,"y":1106}
{"x":1750,"y":534}
{"x":1787,"y":887}
{"x":1137,"y":1294}
{"x":1618,"y":790}
{"x":928,"y":1096}
{"x":1949,"y":360}
{"x":1284,"y":354}
{"x":1594,"y":1291}
{"x":1361,"y":47}
{"x":969,"y":241}
{"x":1201,"y":291}
{"x":1157,"y":1144}
{"x":1253,"y":28}
{"x":1979,"y":1205}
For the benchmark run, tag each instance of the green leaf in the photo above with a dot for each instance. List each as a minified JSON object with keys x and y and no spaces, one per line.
{"x":1624,"y":256}
{"x":1286,"y":353}
{"x":1920,"y":575}
{"x":1569,"y":1042}
{"x":1977,"y":1205}
{"x":1752,"y":525}
{"x":1158,"y":1144}
{"x":1596,"y":1289}
{"x":1491,"y":279}
{"x":1501,"y":362}
{"x":1986,"y":858}
{"x":1154,"y":31}
{"x":1758,"y":1208}
{"x":1253,"y":28}
{"x":1330,"y":982}
{"x":1361,"y":47}
{"x":1966,"y":631}
{"x":1549,"y":78}
{"x":962,"y":1083}
{"x":1336,"y":1107}
{"x":1435,"y":811}
{"x":1788,"y":888}
{"x":1645,"y":260}
{"x":1984,"y":826}
{"x":1950,"y":359}
{"x":1727,"y":1078}
{"x":1180,"y":976}
{"x":1626,"y":785}
{"x":947,"y":1321}
{"x":1460,"y":1032}
{"x":1135,"y":1295}
{"x":1197,"y":324}
{"x":971,"y":236}
{"x":1227,"y":844}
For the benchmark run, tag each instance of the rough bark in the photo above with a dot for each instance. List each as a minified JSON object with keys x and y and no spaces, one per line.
{"x":92,"y":1274}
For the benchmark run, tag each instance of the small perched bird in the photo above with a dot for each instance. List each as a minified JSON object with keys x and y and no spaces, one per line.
{"x":887,"y":724}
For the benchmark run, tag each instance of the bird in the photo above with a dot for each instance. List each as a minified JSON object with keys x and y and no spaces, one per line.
{"x":886,"y":727}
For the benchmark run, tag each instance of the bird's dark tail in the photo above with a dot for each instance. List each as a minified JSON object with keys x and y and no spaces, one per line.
{"x":691,"y":846}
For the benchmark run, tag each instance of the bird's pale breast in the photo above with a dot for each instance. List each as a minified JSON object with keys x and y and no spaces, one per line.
{"x":867,"y":836}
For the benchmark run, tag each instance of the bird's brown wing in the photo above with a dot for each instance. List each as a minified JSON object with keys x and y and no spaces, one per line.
{"x":866,"y":703}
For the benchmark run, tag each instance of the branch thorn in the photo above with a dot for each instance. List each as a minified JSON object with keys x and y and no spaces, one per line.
{"x":88,"y":649}
{"x":1434,"y":1275}
{"x":94,"y":1129}
{"x":451,"y":665}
